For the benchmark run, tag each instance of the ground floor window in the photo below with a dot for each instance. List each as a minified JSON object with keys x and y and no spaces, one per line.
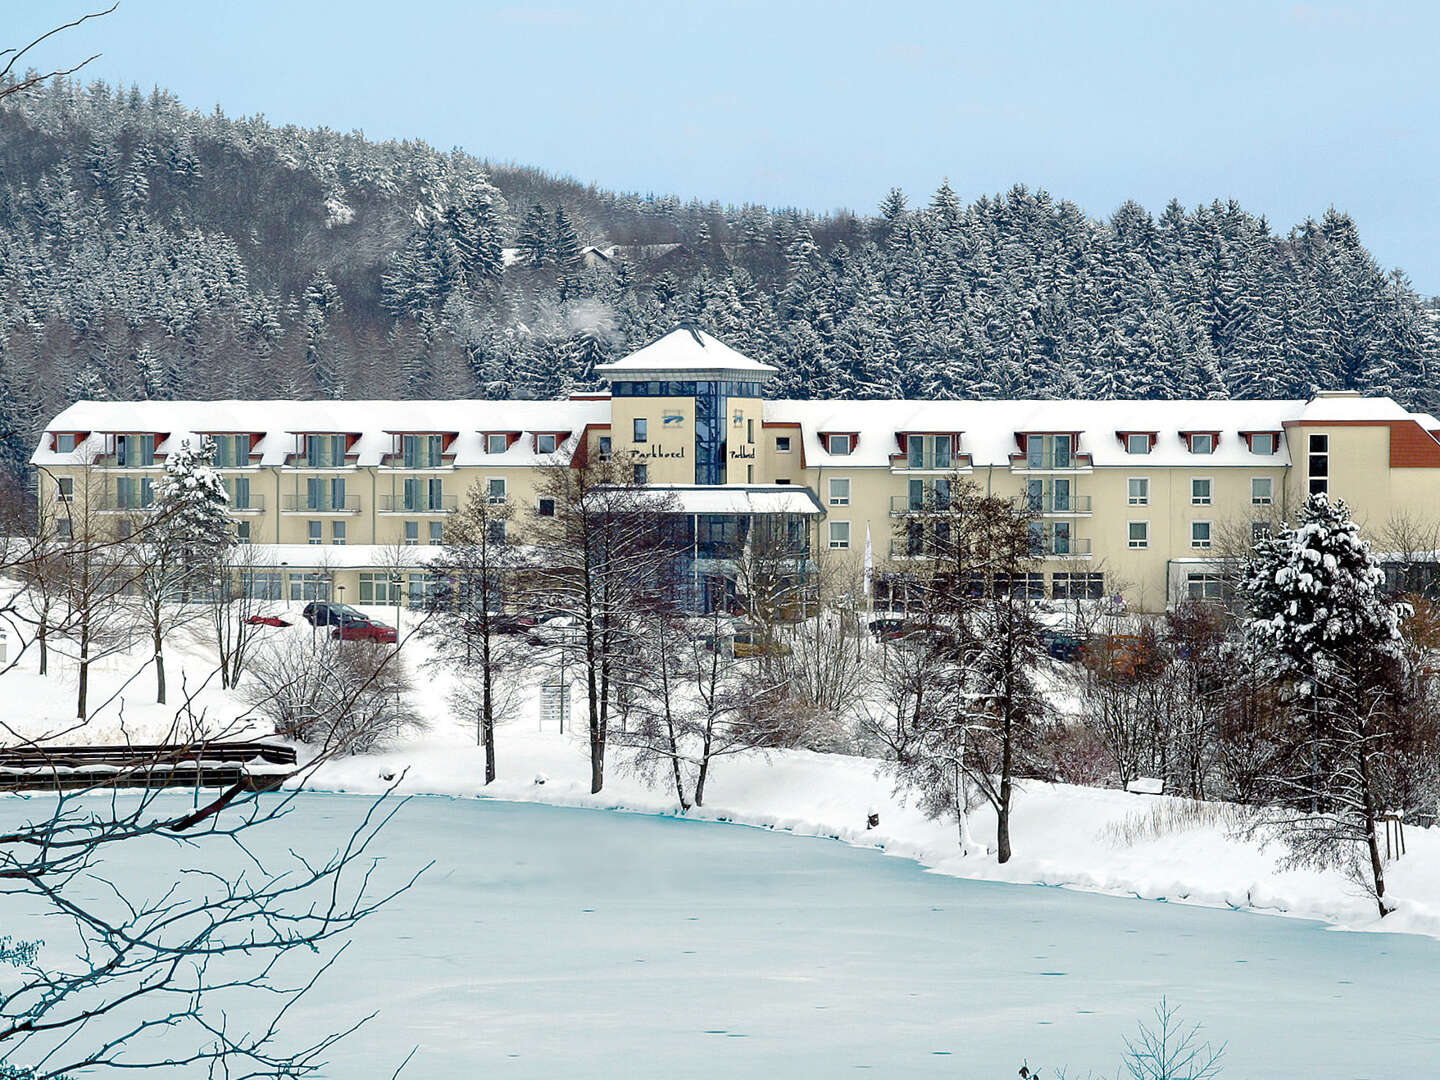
{"x":378,"y":588}
{"x":309,"y":586}
{"x":840,"y":534}
{"x":1028,"y":586}
{"x":1205,"y":586}
{"x":262,"y":584}
{"x":423,"y":589}
{"x":1077,"y":586}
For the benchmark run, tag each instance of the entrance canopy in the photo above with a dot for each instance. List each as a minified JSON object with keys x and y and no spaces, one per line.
{"x":743,"y":499}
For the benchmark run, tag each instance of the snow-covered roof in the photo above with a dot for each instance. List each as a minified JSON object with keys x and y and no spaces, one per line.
{"x":686,"y":352}
{"x":741,"y":498}
{"x":988,"y":428}
{"x":1347,"y":405}
{"x":373,"y":421}
{"x":331,"y":556}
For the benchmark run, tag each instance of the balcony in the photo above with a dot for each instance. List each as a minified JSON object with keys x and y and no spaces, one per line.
{"x":910,"y":504}
{"x":113,"y":504}
{"x":303,"y":504}
{"x":1052,"y":504}
{"x":1055,"y":547}
{"x":398,"y":504}
{"x":253,"y":504}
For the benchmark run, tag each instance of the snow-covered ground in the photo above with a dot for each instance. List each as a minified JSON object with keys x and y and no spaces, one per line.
{"x":1082,"y":838}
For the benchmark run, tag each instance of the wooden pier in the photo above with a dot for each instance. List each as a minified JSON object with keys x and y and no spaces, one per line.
{"x":255,"y":765}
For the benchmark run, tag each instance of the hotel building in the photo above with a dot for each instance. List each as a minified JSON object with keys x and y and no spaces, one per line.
{"x":1135,"y":498}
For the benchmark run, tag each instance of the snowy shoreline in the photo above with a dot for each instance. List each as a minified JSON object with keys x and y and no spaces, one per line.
{"x":1058,"y":829}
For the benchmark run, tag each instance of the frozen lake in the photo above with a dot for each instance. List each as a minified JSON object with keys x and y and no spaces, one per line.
{"x":549,"y":942}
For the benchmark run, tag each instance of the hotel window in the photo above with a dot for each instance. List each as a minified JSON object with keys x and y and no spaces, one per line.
{"x":1319,"y":464}
{"x":494,"y":533}
{"x":1139,"y":534}
{"x":1049,"y":451}
{"x":422,"y":451}
{"x":1260,"y":530}
{"x":1078,"y":586}
{"x":1201,"y":490}
{"x":412,"y":533}
{"x":66,"y":488}
{"x":782,"y":444}
{"x":135,"y":451}
{"x":376,"y":588}
{"x":545,"y":444}
{"x":437,"y":533}
{"x":125,"y":528}
{"x":749,"y":430}
{"x":545,"y":508}
{"x":262,"y":584}
{"x":641,"y":430}
{"x":1139,"y":490}
{"x":67,"y":528}
{"x":495,"y":490}
{"x":1262,"y":490}
{"x":313,"y":534}
{"x":65,"y":442}
{"x":309,"y":587}
{"x":242,"y":532}
{"x":325,"y":451}
{"x":496,"y":444}
{"x":1202,"y":443}
{"x":640,"y":474}
{"x":1137,"y":444}
{"x":838,"y":444}
{"x":231,"y":451}
{"x":1205,"y":586}
{"x":1262,"y":442}
{"x":1200,"y":534}
{"x":337,"y":533}
{"x":839,"y":534}
{"x":839,"y":491}
{"x":604,"y":447}
{"x":239,"y":489}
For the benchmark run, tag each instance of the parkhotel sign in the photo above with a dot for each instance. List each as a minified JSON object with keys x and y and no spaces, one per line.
{"x":652,"y":453}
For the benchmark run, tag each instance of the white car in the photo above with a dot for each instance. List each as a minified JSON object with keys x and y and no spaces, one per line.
{"x":556,"y":630}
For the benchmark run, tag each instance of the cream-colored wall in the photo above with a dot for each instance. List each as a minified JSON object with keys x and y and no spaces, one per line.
{"x":669,"y":452}
{"x":1359,"y":472}
{"x":744,"y":456}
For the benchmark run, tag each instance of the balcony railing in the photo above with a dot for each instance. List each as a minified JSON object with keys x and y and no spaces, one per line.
{"x":252,"y":504}
{"x":303,"y":504}
{"x":1055,"y":547}
{"x":915,"y":504}
{"x":114,"y":504}
{"x":398,"y":504}
{"x":1053,"y":503}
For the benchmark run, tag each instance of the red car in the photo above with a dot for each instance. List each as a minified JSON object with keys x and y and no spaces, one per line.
{"x":359,"y":628}
{"x":266,"y":620}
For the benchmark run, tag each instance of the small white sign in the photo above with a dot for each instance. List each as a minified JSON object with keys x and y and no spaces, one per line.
{"x":555,"y":705}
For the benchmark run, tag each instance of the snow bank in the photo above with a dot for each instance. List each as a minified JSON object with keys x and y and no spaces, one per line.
{"x":1095,"y":840}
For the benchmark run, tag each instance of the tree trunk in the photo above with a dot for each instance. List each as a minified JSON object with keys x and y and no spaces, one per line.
{"x":1007,"y":783}
{"x":1372,"y":839}
{"x":44,"y":649}
{"x":704,"y":766}
{"x":84,"y":681}
{"x":597,"y":747}
{"x":159,"y":662}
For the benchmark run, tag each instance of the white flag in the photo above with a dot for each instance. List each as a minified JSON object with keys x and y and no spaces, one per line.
{"x":869,"y":559}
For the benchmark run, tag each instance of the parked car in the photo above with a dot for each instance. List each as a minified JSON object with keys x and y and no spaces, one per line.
{"x":554,"y":630}
{"x":267,"y":620}
{"x":1062,"y":646}
{"x":325,"y":613}
{"x":359,"y":627}
{"x":888,"y":629}
{"x":504,"y":623}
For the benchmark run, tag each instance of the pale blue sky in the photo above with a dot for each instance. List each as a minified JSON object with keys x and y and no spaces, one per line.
{"x":1288,"y":107}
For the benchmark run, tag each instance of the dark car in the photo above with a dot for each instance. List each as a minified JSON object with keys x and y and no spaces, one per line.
{"x":324,"y":613}
{"x":1062,"y":646}
{"x":888,"y":629}
{"x":358,"y":627}
{"x":512,"y":624}
{"x":266,"y":620}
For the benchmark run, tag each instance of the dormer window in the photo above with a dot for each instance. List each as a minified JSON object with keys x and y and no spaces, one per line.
{"x":496,"y":443}
{"x":422,"y":451}
{"x":839,"y":445}
{"x":1049,"y":451}
{"x":545,"y":444}
{"x":325,"y":451}
{"x":135,"y":451}
{"x":1138,"y":442}
{"x":231,"y":451}
{"x":928,"y":451}
{"x":65,"y":442}
{"x":1263,"y":442}
{"x":1201,"y":442}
